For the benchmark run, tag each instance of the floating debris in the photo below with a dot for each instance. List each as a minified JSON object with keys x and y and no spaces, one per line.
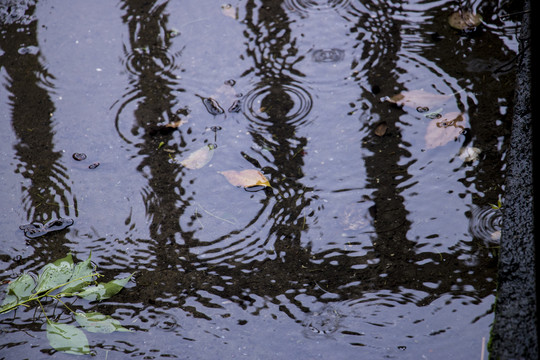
{"x":469,"y":153}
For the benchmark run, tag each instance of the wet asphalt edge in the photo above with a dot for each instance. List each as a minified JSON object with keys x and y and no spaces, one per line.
{"x":514,"y":333}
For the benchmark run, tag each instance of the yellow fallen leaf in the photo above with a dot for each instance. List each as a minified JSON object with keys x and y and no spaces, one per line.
{"x":245,"y":178}
{"x":441,"y":131}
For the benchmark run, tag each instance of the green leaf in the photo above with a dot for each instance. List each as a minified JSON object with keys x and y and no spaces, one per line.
{"x":98,"y":323}
{"x":67,"y":338}
{"x":18,"y":290}
{"x":81,"y":277}
{"x":55,"y":274}
{"x":104,"y":291}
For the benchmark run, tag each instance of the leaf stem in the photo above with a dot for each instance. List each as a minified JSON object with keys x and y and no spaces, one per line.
{"x":43,"y":309}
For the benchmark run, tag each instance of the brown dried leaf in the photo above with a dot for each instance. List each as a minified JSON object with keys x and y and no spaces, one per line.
{"x":441,"y":131}
{"x":464,"y":20}
{"x":380,"y":130}
{"x":418,"y":98}
{"x":245,"y":178}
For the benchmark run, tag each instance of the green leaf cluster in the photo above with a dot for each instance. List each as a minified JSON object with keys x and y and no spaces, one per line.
{"x":63,"y":278}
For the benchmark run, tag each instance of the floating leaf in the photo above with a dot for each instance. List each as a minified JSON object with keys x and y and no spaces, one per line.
{"x":104,"y":291}
{"x":245,"y":178}
{"x":18,"y":290}
{"x":417,"y":98}
{"x":464,"y":20}
{"x":441,"y":131}
{"x":55,"y":274}
{"x":199,"y":158}
{"x":176,"y":124}
{"x":67,"y":338}
{"x":469,"y":153}
{"x":380,"y":130}
{"x":80,"y":278}
{"x":229,"y":10}
{"x":96,"y":322}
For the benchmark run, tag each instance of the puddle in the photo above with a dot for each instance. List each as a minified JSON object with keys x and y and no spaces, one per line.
{"x":375,"y":235}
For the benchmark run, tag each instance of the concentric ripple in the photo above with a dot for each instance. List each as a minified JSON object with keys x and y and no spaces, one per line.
{"x":485,"y":223}
{"x":309,"y":6}
{"x":322,"y":322}
{"x":287,"y":102}
{"x":155,"y":61}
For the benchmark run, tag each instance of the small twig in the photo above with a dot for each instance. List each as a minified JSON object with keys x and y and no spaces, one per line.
{"x":63,"y":303}
{"x":197,"y":217}
{"x":483,"y":346}
{"x":511,"y":61}
{"x":217,"y":217}
{"x":321,"y":288}
{"x":516,"y":13}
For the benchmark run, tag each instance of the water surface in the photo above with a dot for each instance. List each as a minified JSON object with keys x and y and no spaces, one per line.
{"x":375,"y":239}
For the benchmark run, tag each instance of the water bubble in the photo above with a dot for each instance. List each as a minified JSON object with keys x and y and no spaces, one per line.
{"x":436,"y":115}
{"x":328,"y":55}
{"x":79,"y":156}
{"x":166,"y":322}
{"x":322,"y":322}
{"x":212,"y":106}
{"x":28,"y":50}
{"x":236,"y":107}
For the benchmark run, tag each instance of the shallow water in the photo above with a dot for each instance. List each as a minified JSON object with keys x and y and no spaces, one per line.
{"x":375,"y":240}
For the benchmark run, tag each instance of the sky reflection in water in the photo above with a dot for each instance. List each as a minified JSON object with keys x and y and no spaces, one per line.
{"x":364,"y":245}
